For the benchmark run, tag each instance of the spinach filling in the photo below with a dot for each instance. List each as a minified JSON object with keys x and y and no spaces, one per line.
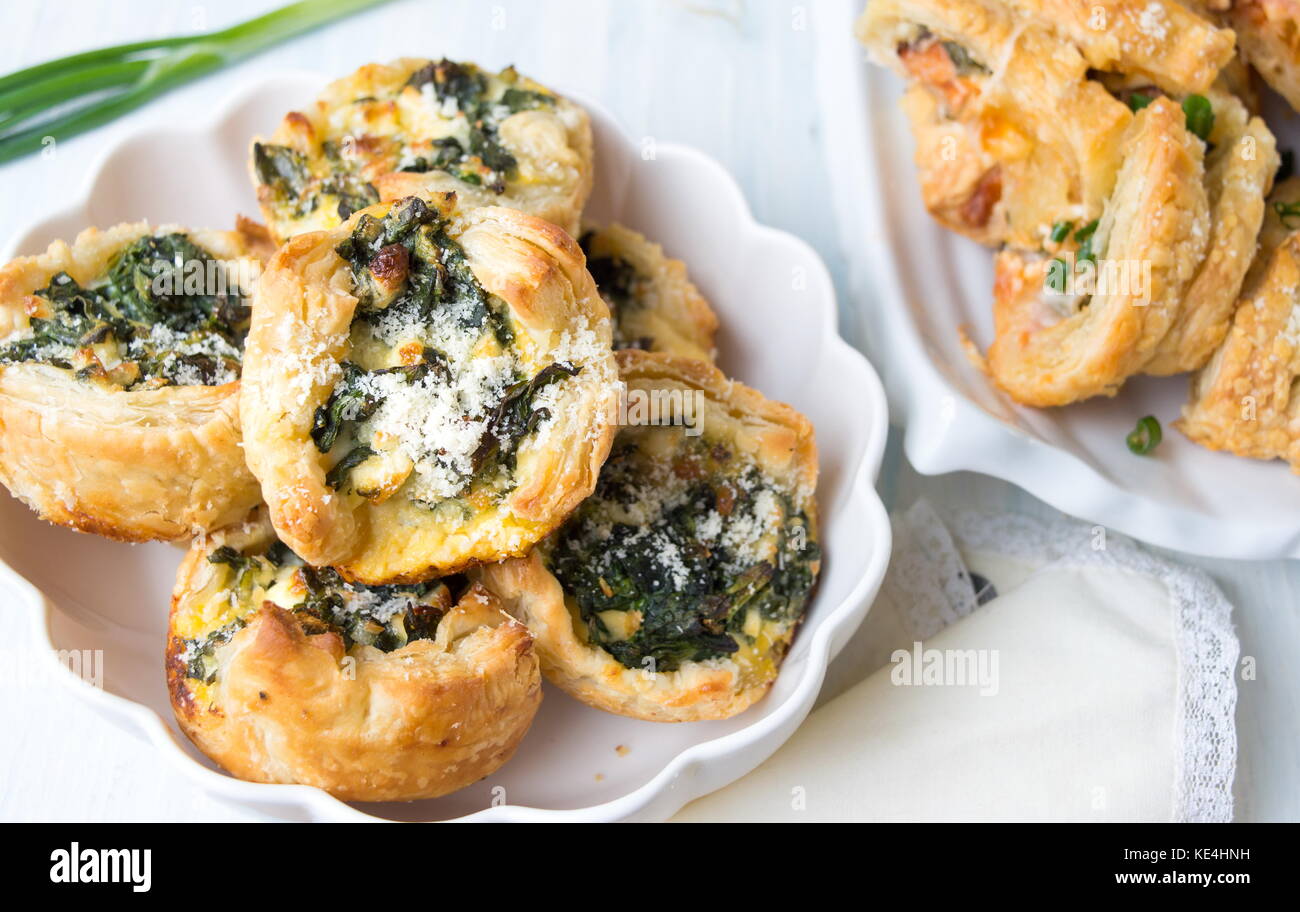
{"x":475,"y":155}
{"x":619,"y":285}
{"x":286,"y":173}
{"x":480,"y":159}
{"x":689,"y":569}
{"x":385,"y":617}
{"x":165,"y":314}
{"x":409,"y":272}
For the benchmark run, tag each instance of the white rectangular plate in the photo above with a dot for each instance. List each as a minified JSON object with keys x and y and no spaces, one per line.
{"x":918,"y":283}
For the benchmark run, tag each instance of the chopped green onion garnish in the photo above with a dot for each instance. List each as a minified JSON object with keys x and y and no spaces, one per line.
{"x":1061,"y":231}
{"x":1200,"y":115}
{"x":1138,"y":100}
{"x":1057,"y":272}
{"x":1145,"y":437}
{"x":1084,"y":237}
{"x":1287,"y":211}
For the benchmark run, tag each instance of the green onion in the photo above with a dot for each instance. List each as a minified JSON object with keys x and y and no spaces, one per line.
{"x":1061,"y":231}
{"x":64,"y":97}
{"x":1200,"y":115}
{"x":1057,"y":273}
{"x":1139,"y":100}
{"x":1084,"y":237}
{"x":1286,"y":211}
{"x":1145,"y":437}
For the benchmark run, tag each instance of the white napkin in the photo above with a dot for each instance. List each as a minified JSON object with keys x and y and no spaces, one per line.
{"x":1096,"y":684}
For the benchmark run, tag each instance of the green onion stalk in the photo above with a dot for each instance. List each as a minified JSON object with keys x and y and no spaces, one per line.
{"x":92,"y":88}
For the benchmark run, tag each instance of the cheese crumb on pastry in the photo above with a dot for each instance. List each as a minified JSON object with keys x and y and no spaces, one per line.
{"x":120,"y":359}
{"x":652,"y":302}
{"x":282,"y":672}
{"x":674,"y":592}
{"x":426,"y":388}
{"x":419,"y":127}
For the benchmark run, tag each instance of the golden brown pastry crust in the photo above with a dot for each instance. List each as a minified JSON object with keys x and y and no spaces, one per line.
{"x":1158,"y":215}
{"x":1243,"y":401}
{"x":1013,"y":142}
{"x":424,"y":720}
{"x":780,"y":441}
{"x":133,"y":465}
{"x":667,"y":313}
{"x":1239,"y":175}
{"x":1268,"y":34}
{"x":553,"y":149}
{"x":1160,"y":40}
{"x":300,"y":334}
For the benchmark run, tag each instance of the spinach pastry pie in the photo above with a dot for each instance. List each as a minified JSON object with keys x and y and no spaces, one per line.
{"x":652,"y":301}
{"x":120,"y":358}
{"x":282,"y":672}
{"x":418,"y":127}
{"x":673,"y":593}
{"x":426,"y":388}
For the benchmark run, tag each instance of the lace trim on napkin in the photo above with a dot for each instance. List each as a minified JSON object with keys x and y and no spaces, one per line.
{"x":932,"y":587}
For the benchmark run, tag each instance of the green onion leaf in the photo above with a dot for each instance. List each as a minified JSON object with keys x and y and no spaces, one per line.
{"x":1057,"y":272}
{"x":1286,"y":212}
{"x":1139,"y":100}
{"x":1061,"y":231}
{"x":1145,"y":437}
{"x":1085,"y":237}
{"x":1200,"y":115}
{"x":64,"y":97}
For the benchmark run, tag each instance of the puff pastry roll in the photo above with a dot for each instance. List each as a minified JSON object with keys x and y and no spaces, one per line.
{"x":1075,"y":326}
{"x":426,"y":388}
{"x":653,"y":303}
{"x":120,"y":358}
{"x":1240,"y":164}
{"x":1244,"y":400}
{"x":1161,"y":41}
{"x":282,"y":672}
{"x":1011,"y":135}
{"x":418,"y":127}
{"x":674,"y":592}
{"x":1268,"y":36}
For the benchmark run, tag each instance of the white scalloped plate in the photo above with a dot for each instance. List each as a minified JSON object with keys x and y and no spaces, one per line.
{"x":918,"y":283}
{"x":777,"y":306}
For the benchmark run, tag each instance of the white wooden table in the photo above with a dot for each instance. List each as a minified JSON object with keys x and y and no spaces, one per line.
{"x":734,"y":79}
